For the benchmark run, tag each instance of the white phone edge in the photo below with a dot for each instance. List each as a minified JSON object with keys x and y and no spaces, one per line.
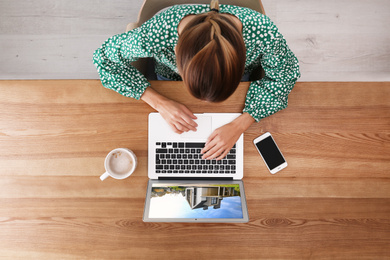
{"x":278,"y":168}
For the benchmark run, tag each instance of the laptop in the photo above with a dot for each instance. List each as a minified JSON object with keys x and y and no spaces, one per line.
{"x":185,"y":188}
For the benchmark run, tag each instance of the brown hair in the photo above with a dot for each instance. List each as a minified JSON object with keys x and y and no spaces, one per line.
{"x":210,"y":56}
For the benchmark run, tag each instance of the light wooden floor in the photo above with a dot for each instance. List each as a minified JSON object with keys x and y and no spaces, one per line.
{"x":334,"y":40}
{"x":331,"y":202}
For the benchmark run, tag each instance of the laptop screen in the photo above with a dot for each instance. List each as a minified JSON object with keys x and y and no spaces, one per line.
{"x":195,"y":201}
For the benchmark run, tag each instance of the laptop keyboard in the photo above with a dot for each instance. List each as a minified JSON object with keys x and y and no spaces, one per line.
{"x":186,"y":158}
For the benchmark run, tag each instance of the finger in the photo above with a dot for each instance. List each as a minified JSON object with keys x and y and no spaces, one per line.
{"x":215,"y":154}
{"x":173,"y":127}
{"x":223,"y":155}
{"x":207,"y":147}
{"x":190,"y":125}
{"x":181,"y":127}
{"x":209,"y":143}
{"x":189,"y":122}
{"x":210,"y":152}
{"x":189,"y":113}
{"x":213,"y":149}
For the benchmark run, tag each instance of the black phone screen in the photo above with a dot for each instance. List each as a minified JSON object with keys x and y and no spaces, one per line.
{"x":270,"y":152}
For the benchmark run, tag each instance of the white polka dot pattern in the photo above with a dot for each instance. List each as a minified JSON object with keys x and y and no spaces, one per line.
{"x":158,"y":37}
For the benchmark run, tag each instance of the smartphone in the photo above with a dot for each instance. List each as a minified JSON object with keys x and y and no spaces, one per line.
{"x":270,"y":153}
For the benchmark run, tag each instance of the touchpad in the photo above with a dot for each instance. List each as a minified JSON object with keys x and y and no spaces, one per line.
{"x":203,"y":130}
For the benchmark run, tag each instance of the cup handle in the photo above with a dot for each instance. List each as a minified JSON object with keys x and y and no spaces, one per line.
{"x":104,"y":176}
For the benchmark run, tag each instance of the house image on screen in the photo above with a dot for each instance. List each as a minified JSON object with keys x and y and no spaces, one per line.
{"x":205,"y":197}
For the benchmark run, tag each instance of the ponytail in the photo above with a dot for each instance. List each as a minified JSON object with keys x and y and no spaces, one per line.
{"x":214,"y":5}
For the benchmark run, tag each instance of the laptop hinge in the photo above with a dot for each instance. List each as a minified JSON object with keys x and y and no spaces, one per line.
{"x":197,"y":178}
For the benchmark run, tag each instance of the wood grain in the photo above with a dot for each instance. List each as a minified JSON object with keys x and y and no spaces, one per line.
{"x":331,"y":202}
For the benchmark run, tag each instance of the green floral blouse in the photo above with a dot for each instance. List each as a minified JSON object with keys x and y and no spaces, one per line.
{"x":158,"y":37}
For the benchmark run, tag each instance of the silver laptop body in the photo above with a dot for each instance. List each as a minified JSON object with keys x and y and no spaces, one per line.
{"x":172,"y":155}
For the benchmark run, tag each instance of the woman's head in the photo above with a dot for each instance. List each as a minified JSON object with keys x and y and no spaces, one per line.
{"x":211,"y":56}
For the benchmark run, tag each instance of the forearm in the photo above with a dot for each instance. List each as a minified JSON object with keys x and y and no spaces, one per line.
{"x":243,"y":122}
{"x":153,"y":98}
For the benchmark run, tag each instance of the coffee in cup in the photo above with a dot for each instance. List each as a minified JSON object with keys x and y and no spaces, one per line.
{"x":120,"y":163}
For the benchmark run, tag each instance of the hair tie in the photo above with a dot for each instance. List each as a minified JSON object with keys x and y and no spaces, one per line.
{"x":215,"y":10}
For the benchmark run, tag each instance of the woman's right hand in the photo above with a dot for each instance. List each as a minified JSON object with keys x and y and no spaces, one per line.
{"x":177,"y":115}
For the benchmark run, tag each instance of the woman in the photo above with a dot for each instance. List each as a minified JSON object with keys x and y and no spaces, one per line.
{"x":210,"y":48}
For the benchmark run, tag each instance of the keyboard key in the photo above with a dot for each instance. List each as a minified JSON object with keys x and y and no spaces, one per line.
{"x":161,"y":150}
{"x":195,"y":145}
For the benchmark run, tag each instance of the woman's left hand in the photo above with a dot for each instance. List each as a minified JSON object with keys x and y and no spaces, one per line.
{"x":223,"y":139}
{"x":220,"y":142}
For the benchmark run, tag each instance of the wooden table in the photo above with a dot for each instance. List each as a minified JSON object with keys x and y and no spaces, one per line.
{"x":331,"y":202}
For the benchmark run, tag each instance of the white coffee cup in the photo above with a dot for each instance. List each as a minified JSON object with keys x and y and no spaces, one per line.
{"x":120,"y":163}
